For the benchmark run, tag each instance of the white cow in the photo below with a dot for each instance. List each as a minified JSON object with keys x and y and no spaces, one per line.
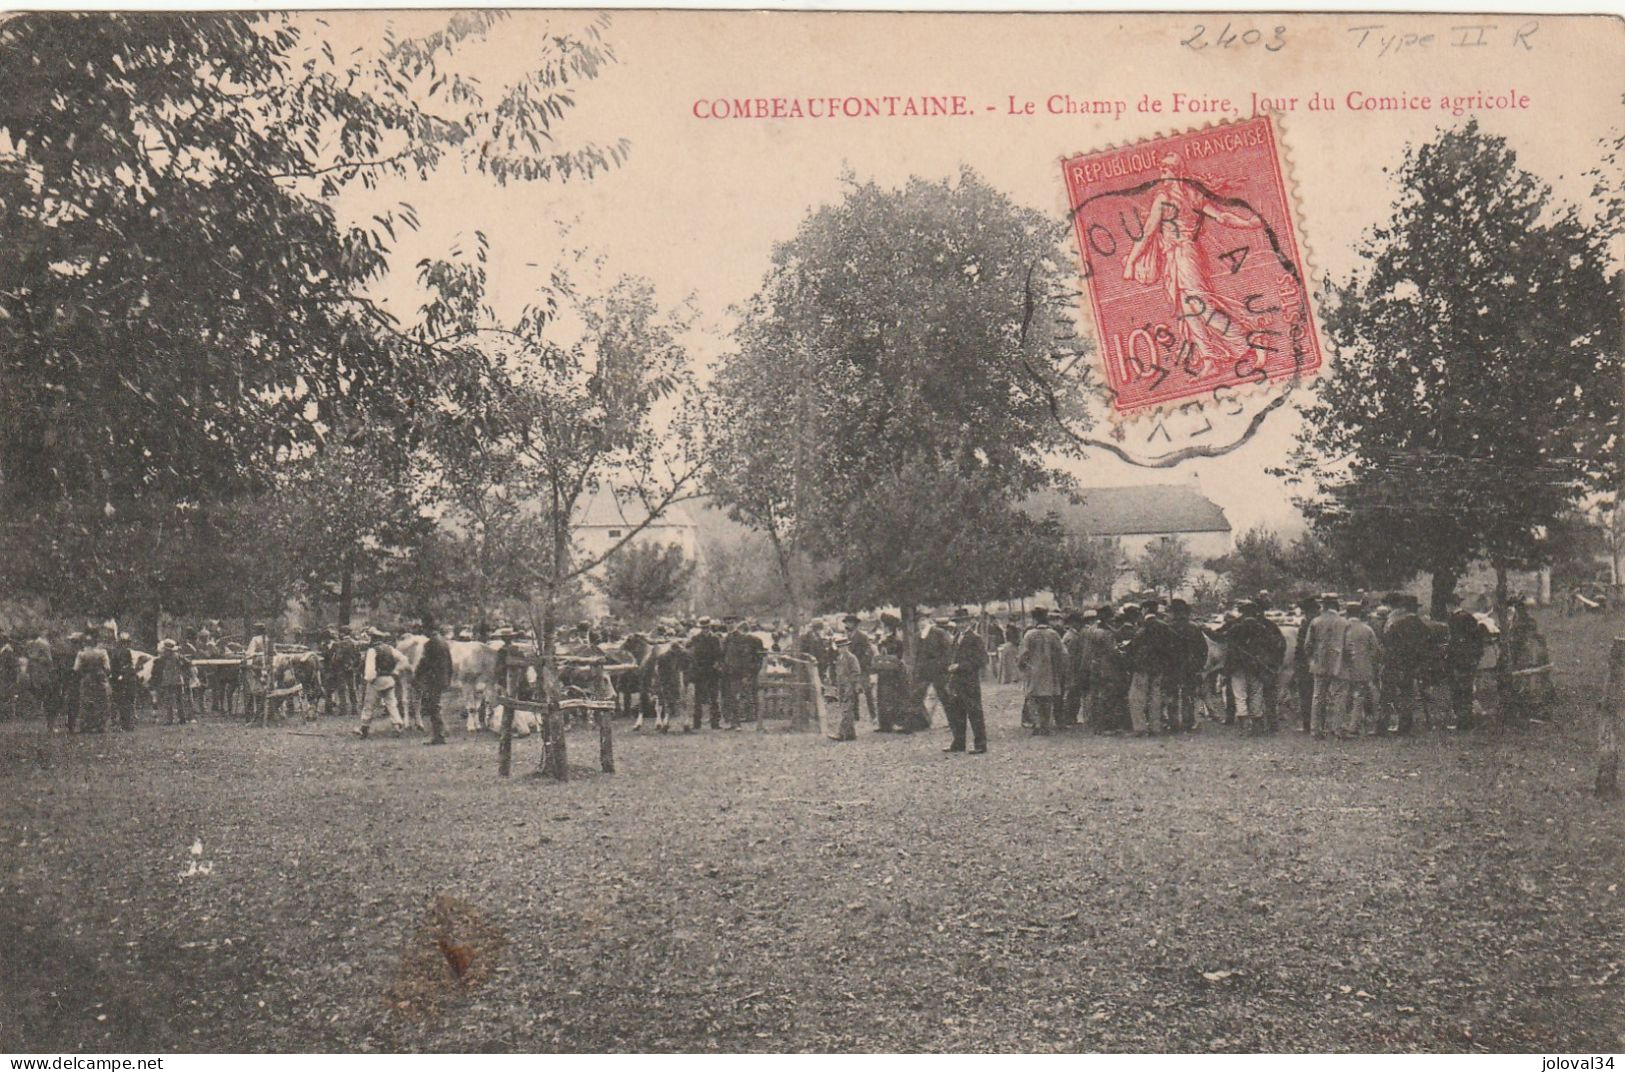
{"x":473,"y":677}
{"x":406,"y":691}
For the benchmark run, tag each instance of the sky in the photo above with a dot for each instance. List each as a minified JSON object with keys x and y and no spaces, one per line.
{"x":700,"y":203}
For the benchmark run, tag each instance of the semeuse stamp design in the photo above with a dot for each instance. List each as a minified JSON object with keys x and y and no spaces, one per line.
{"x":1192,"y":266}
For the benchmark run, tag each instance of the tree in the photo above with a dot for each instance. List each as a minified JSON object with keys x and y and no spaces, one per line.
{"x":181,"y":304}
{"x":1260,"y":561}
{"x":1477,"y":386}
{"x":743,"y":577}
{"x":1088,"y":568}
{"x":644,"y":580}
{"x":1165,"y":565}
{"x":1575,"y":545}
{"x":1613,"y":540}
{"x":571,"y":407}
{"x":348,"y":522}
{"x":882,"y":409}
{"x":185,"y":318}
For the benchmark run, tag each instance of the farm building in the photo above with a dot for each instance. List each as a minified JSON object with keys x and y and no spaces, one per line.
{"x":1137,"y":516}
{"x":604,"y":521}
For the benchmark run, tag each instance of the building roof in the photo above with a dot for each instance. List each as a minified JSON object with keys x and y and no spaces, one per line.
{"x":605,"y":509}
{"x":1154,"y":509}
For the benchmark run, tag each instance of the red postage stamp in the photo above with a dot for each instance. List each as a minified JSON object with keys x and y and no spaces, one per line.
{"x":1192,"y":266}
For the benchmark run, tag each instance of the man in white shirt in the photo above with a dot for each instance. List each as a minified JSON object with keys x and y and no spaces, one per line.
{"x":378,"y":671}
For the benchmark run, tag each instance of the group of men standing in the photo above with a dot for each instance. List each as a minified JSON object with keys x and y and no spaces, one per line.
{"x":1112,"y":669}
{"x":711,"y":671}
{"x":85,"y":679}
{"x":1356,"y":668}
{"x":1140,"y":669}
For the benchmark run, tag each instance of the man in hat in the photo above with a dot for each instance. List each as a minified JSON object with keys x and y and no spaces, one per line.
{"x":1187,"y":661}
{"x":1150,"y":654}
{"x":863,"y":650}
{"x":1362,"y":658}
{"x":1523,"y":669}
{"x":121,"y":678}
{"x":932,"y":654}
{"x":1324,"y":649}
{"x":259,"y":658}
{"x":891,"y":676}
{"x":742,"y":655}
{"x":705,"y":668}
{"x":1042,"y":657}
{"x":965,"y":685}
{"x":1469,"y":638}
{"x":378,"y":670}
{"x":1302,"y":678}
{"x":433,"y":678}
{"x":1254,"y":649}
{"x":208,"y":694}
{"x":169,"y":674}
{"x":813,"y":644}
{"x":1099,"y":661}
{"x":847,"y":690}
{"x":1407,"y":647}
{"x":41,"y":678}
{"x":91,"y":670}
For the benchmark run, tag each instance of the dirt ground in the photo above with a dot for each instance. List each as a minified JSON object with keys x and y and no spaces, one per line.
{"x":217,"y":887}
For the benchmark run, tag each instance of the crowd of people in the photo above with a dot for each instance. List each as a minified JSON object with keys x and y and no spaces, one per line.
{"x":1338,"y":668}
{"x":89,"y":680}
{"x":1343,"y":668}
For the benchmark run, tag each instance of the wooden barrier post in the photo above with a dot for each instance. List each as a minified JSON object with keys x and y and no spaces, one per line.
{"x":606,"y":742}
{"x":505,"y":742}
{"x":1608,"y":722}
{"x":553,"y":755}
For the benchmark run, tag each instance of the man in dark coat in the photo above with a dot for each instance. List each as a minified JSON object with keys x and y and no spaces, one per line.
{"x":742,"y":654}
{"x":705,"y":668}
{"x":121,"y":678}
{"x":345,"y":666}
{"x":1407,"y":644}
{"x":932,"y":655}
{"x":433,"y":677}
{"x":1150,"y":655}
{"x":964,"y":700}
{"x":863,"y":649}
{"x":1188,"y":656}
{"x":1254,"y":650}
{"x":816,"y":646}
{"x":1465,"y":650}
{"x":64,"y":654}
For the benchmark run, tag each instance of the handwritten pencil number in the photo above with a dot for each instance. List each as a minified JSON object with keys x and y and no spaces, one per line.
{"x":1230,"y":37}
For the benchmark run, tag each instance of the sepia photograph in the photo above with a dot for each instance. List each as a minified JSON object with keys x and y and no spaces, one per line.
{"x":720,"y":531}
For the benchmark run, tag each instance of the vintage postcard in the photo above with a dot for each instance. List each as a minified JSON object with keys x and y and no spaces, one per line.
{"x":710,"y":531}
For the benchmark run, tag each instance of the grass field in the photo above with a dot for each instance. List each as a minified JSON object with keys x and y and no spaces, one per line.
{"x":783,"y":892}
